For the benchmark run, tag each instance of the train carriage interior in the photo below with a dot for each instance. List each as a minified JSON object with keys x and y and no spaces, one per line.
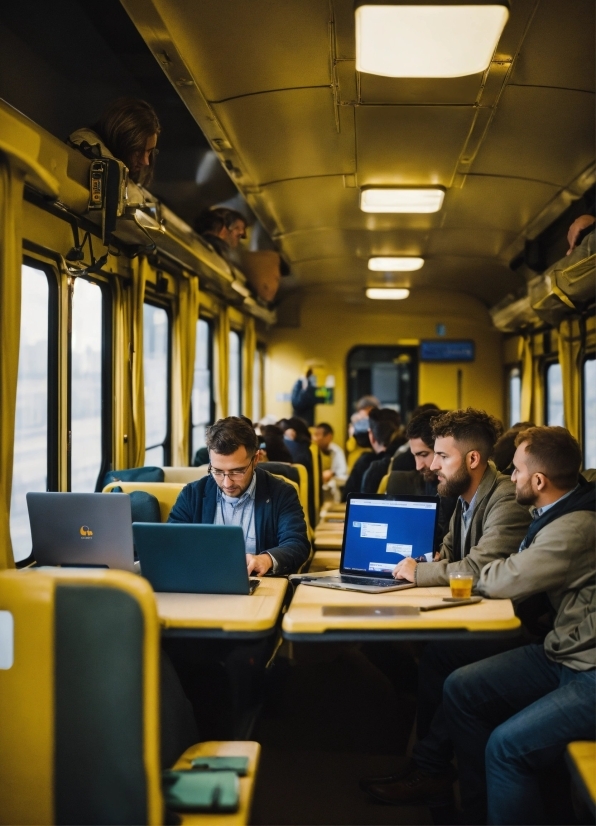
{"x":325,"y":204}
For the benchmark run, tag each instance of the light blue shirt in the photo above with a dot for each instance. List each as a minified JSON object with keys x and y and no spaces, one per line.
{"x":239,"y":511}
{"x":467,"y":511}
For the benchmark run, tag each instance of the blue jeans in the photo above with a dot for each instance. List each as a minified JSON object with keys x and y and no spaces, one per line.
{"x":508,"y":717}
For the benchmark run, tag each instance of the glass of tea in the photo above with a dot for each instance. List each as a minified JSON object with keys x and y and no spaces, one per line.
{"x":461,"y":585}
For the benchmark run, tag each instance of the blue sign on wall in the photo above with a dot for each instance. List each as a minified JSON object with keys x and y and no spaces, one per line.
{"x":447,"y":350}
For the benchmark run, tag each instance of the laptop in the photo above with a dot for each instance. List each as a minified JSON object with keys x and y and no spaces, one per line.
{"x":193,"y":559}
{"x":380,"y":530}
{"x":82,"y":529}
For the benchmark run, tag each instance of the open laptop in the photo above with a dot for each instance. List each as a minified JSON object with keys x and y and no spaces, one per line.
{"x":379,"y":532}
{"x":82,"y":529}
{"x":193,"y":559}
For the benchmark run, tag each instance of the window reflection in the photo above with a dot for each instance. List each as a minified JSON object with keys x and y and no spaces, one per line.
{"x":201,"y":402}
{"x":514,"y":396}
{"x":30,"y":468}
{"x":234,"y":377}
{"x":155,"y":365}
{"x":86,"y":349}
{"x":590,"y":413}
{"x":554,"y":395}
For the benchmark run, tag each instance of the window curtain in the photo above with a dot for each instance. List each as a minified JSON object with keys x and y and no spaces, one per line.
{"x":136,"y":436}
{"x":526,"y":353}
{"x":184,"y":350}
{"x":222,"y":356}
{"x":19,"y":152}
{"x":250,"y":346}
{"x":570,"y":357}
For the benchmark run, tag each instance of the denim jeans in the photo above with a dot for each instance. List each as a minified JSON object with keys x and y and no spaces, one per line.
{"x":508,"y":717}
{"x":433,"y":750}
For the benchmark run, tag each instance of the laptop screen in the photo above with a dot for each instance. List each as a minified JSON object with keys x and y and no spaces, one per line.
{"x":379,"y":532}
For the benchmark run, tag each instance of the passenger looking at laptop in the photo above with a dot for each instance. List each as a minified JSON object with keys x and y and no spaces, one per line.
{"x":487,"y":524}
{"x":423,"y":481}
{"x":512,"y":715}
{"x":237,"y":492}
{"x":384,"y":433}
{"x":333,"y":460}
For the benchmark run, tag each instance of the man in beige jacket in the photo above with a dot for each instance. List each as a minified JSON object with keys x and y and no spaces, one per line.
{"x":514,"y":713}
{"x":487,"y":524}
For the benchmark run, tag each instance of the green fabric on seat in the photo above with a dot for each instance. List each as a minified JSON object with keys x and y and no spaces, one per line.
{"x":99,"y":768}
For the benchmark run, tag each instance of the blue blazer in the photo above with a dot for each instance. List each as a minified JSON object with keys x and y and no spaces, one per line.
{"x":279,"y":520}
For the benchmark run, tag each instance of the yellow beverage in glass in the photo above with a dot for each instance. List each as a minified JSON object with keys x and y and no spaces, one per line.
{"x":461,"y":585}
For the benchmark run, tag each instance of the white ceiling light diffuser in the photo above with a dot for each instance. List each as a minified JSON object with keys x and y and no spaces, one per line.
{"x":385,"y":199}
{"x":427,"y":40}
{"x":387,"y":293}
{"x":408,"y":264}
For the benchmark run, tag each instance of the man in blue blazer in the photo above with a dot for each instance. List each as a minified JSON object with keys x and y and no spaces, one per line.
{"x":237,"y":492}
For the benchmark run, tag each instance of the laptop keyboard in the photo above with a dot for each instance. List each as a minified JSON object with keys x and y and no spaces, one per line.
{"x":361,"y":580}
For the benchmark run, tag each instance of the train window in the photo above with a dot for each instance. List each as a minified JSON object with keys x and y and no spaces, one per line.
{"x":202,"y":388}
{"x":235,"y":375}
{"x":514,"y":394}
{"x":554,"y":395}
{"x":86,"y":385}
{"x":257,"y":384}
{"x":156,"y":353}
{"x":30,"y":468}
{"x":590,"y":412}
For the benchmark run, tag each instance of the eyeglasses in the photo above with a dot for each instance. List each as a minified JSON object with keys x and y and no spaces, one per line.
{"x":231,"y":474}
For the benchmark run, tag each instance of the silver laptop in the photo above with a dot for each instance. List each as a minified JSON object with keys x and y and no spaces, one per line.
{"x":380,"y":530}
{"x":82,"y":529}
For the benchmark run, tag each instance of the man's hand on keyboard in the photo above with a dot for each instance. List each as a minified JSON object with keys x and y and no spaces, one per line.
{"x":406,"y":569}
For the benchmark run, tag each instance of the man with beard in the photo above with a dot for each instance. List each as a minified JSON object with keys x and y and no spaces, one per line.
{"x":487,"y":524}
{"x":512,"y":715}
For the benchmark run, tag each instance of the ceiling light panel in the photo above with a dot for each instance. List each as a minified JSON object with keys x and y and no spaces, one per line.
{"x":387,"y":294}
{"x":401,"y":200}
{"x":393,"y":264}
{"x":427,"y":41}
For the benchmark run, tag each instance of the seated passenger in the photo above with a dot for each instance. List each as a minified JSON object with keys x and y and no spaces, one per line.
{"x":128,"y":131}
{"x":222,"y":228}
{"x":423,"y":481}
{"x":303,"y":397}
{"x":297,"y":440}
{"x":273,"y":444}
{"x":403,"y":459}
{"x":488,"y":523}
{"x":505,"y":448}
{"x":334,"y":460}
{"x":384,"y":433}
{"x":362,"y":408}
{"x":380,"y":466}
{"x":237,"y":493}
{"x":511,"y":715}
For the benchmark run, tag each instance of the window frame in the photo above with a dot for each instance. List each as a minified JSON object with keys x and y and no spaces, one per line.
{"x":210,"y":366}
{"x":167,"y":443}
{"x":106,"y":378}
{"x":240,"y":376}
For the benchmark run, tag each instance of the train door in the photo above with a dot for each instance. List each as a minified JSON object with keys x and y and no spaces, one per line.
{"x":389,"y":373}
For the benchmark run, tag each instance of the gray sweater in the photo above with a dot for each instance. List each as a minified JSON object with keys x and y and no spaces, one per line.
{"x":560,"y":561}
{"x":496,"y":530}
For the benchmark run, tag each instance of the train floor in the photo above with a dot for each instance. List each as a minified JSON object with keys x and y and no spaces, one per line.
{"x":329,"y":718}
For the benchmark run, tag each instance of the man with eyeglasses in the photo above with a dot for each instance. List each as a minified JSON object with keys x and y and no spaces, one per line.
{"x":237,"y":492}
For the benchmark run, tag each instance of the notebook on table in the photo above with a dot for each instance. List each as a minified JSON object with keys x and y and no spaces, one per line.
{"x":379,"y":531}
{"x":193,"y":559}
{"x":81,"y":529}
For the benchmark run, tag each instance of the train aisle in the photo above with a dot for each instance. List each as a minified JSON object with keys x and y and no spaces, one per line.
{"x":330,"y":721}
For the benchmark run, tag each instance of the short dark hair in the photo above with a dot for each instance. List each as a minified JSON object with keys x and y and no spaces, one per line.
{"x":300,"y":427}
{"x":227,"y":435}
{"x":384,"y":423}
{"x":326,"y":428}
{"x":124,"y":127}
{"x":420,"y":426}
{"x":215,"y":219}
{"x":476,"y":429}
{"x":504,"y":449}
{"x":555,"y":452}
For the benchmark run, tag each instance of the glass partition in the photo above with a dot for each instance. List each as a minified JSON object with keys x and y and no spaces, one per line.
{"x":156,"y":350}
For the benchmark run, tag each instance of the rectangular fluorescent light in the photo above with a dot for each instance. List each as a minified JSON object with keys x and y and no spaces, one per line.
{"x":387,"y":293}
{"x":408,"y":264}
{"x":427,"y":41}
{"x":401,"y":200}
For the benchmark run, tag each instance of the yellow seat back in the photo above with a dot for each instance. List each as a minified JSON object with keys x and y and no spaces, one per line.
{"x":303,"y":494}
{"x":166,"y":493}
{"x":79,"y":703}
{"x":355,"y":454}
{"x":316,"y":477}
{"x":184,"y":474}
{"x":383,"y":484}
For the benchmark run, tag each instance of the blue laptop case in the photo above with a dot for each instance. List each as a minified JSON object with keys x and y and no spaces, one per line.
{"x":193,"y":559}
